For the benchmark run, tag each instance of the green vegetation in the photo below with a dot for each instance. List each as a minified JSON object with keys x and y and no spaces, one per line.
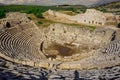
{"x":68,"y":12}
{"x":41,"y":22}
{"x":103,"y":10}
{"x":36,"y":10}
{"x":111,"y":7}
{"x":92,"y":28}
{"x":2,"y":13}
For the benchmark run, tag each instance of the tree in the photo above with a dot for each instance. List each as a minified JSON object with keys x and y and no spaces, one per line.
{"x":103,"y":10}
{"x":73,"y":9}
{"x":39,"y":13}
{"x":2,"y":13}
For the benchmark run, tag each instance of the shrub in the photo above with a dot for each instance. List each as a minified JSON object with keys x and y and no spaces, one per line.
{"x":2,"y":13}
{"x":92,"y":28}
{"x":40,"y":22}
{"x":119,"y":25}
{"x":39,"y":14}
{"x":103,"y":10}
{"x":74,"y":9}
{"x":30,"y":18}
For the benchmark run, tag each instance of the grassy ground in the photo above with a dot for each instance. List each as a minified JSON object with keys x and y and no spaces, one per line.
{"x":92,"y":28}
{"x":68,"y":12}
{"x":67,"y":9}
{"x":38,"y":10}
{"x":42,"y":22}
{"x":111,"y":7}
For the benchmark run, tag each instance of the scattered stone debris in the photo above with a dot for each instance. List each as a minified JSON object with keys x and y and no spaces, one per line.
{"x":90,"y":17}
{"x":57,"y":52}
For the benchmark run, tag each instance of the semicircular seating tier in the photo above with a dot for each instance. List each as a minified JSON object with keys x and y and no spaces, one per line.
{"x":18,"y":44}
{"x":60,"y":46}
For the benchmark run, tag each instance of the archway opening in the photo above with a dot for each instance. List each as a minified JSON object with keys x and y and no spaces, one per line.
{"x":8,"y":25}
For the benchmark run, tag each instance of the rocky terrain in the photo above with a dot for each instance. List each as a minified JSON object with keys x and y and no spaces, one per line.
{"x":57,"y":52}
{"x":91,"y":17}
{"x":13,"y":71}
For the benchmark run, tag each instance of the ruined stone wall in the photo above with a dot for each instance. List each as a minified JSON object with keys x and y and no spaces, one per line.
{"x":14,"y":18}
{"x":35,"y":47}
{"x":57,"y":14}
{"x":57,"y":32}
{"x":58,"y":17}
{"x":118,"y":18}
{"x":90,"y":17}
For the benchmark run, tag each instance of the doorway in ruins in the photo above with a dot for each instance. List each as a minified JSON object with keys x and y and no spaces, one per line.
{"x":8,"y":25}
{"x":92,"y":22}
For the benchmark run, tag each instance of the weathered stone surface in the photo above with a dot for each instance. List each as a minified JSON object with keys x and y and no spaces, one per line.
{"x":58,"y":43}
{"x":90,"y":17}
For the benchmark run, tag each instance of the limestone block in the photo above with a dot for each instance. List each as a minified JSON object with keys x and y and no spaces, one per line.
{"x":23,"y":62}
{"x":64,"y":66}
{"x":43,"y":64}
{"x":30,"y":63}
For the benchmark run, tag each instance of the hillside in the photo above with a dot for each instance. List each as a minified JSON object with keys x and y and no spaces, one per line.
{"x":111,"y":7}
{"x":1,"y":4}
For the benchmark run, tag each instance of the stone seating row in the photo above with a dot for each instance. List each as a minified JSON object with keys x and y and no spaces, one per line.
{"x":15,"y":45}
{"x":113,"y":47}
